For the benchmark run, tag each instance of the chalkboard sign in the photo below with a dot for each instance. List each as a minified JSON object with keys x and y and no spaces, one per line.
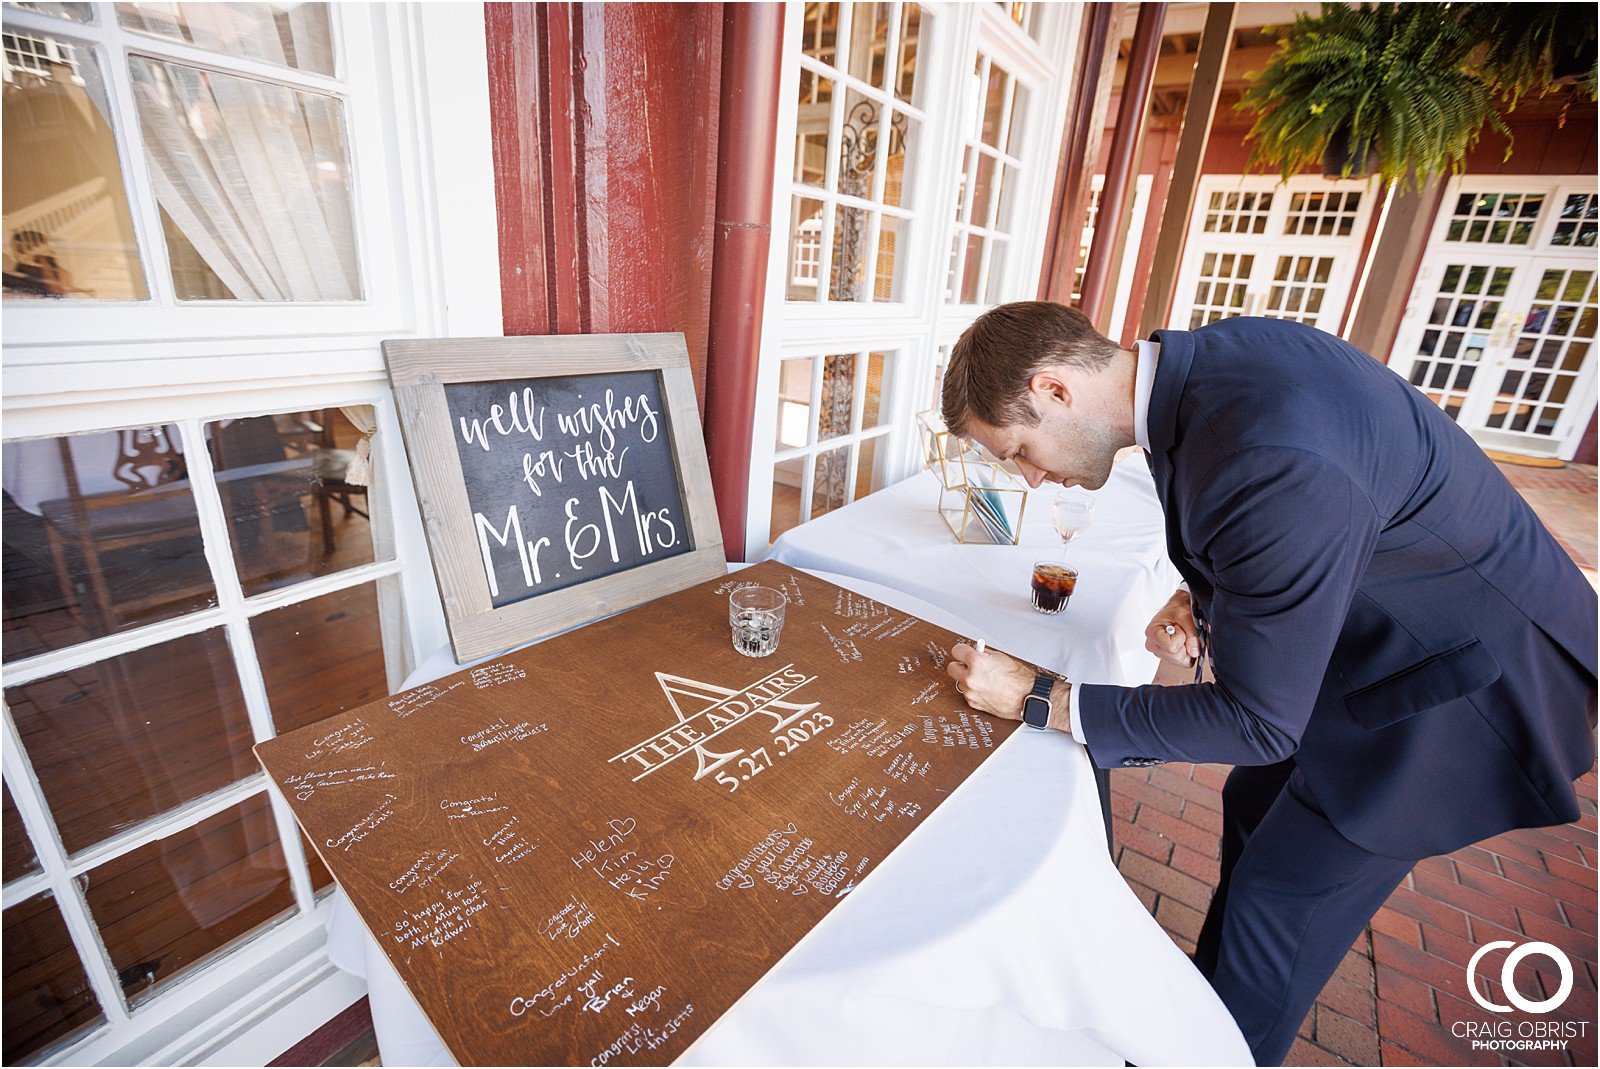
{"x":587,"y":851}
{"x":561,"y":478}
{"x":569,"y":479}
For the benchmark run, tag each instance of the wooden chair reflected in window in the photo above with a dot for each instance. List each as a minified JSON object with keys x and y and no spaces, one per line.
{"x":133,"y":546}
{"x":313,"y":436}
{"x":137,"y":548}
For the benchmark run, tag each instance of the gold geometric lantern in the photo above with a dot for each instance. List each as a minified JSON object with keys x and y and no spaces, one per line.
{"x":979,"y":499}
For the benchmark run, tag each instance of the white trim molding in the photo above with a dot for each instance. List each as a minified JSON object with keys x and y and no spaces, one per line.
{"x":413,"y":79}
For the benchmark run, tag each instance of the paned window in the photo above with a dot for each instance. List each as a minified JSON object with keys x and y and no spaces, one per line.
{"x":1494,"y":218}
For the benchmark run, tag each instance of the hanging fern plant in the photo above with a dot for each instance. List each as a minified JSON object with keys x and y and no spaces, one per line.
{"x":1392,"y":81}
{"x":1534,"y":49}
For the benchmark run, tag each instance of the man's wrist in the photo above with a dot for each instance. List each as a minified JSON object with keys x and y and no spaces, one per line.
{"x":1061,"y":706}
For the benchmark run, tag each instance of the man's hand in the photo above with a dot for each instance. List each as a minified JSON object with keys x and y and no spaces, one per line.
{"x":1172,"y":634}
{"x":991,"y":682}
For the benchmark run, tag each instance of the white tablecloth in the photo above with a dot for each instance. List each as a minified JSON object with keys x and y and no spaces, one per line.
{"x":895,"y":537}
{"x":998,"y":933}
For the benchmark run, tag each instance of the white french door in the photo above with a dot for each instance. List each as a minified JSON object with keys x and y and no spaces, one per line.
{"x":1283,"y":250}
{"x":1500,"y":327}
{"x":916,"y":148}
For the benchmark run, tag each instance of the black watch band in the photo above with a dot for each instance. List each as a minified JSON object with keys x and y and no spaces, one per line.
{"x":1036,"y":706}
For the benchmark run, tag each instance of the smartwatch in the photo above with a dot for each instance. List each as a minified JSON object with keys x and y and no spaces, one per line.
{"x":1036,"y":706}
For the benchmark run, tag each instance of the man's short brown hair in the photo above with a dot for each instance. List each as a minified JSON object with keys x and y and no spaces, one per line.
{"x":998,"y":355}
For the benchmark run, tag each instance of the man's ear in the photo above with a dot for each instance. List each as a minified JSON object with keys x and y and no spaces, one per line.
{"x":1049,"y":387}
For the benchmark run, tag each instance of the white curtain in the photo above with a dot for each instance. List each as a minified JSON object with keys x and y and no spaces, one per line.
{"x":255,"y":176}
{"x":365,"y":421}
{"x":289,"y":34}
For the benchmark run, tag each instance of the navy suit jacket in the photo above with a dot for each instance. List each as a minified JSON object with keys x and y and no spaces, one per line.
{"x":1384,"y":607}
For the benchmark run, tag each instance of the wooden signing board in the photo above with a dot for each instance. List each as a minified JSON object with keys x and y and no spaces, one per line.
{"x":586,"y":851}
{"x":561,"y":479}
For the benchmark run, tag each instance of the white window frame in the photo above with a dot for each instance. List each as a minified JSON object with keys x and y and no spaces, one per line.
{"x":1025,"y":60}
{"x":1530,"y":261}
{"x":113,"y":326}
{"x":923,"y":321}
{"x":832,"y":198}
{"x":417,"y":120}
{"x":1267,"y":246}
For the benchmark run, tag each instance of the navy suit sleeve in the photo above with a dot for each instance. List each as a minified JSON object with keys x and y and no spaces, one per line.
{"x":1286,"y":535}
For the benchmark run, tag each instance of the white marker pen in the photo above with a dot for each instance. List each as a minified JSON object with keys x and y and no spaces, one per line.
{"x":983,"y":647}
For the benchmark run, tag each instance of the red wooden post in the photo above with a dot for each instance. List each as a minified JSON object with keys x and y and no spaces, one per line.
{"x":752,"y":41}
{"x":1097,"y":55}
{"x":1116,"y":197}
{"x":605,"y":134}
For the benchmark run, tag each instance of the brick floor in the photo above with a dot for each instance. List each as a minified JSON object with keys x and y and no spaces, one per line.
{"x":1564,"y":498}
{"x":1403,"y":984}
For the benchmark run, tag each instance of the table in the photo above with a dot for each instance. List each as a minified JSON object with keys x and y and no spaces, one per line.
{"x":896,"y":537}
{"x":999,"y":932}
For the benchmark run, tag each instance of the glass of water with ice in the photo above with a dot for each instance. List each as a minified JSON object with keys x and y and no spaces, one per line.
{"x":756,"y":615}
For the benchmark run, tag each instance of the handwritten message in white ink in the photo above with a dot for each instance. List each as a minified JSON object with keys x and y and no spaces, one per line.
{"x":352,"y":736}
{"x":365,"y":826}
{"x":598,"y":993}
{"x":844,"y":647}
{"x":492,"y":675}
{"x":549,"y":999}
{"x":878,"y":630}
{"x":873,"y":736}
{"x":735,"y":584}
{"x":640,"y":1037}
{"x":418,"y":698}
{"x":305,"y":785}
{"x":613,"y":855}
{"x":791,"y":590}
{"x":906,"y":768}
{"x":785,"y":861}
{"x":650,"y":1000}
{"x":965,"y":729}
{"x":503,"y":730}
{"x":424,"y":870}
{"x":852,"y":605}
{"x":472,"y":807}
{"x":443,"y":920}
{"x":569,"y":921}
{"x":508,"y":842}
{"x":871,"y":803}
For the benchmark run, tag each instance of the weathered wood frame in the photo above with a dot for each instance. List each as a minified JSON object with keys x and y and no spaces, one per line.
{"x":419,"y":370}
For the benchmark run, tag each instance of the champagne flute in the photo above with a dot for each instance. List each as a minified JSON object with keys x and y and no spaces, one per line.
{"x":1072,"y":511}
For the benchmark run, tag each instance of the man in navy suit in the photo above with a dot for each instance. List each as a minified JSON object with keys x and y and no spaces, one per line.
{"x":1403,"y":658}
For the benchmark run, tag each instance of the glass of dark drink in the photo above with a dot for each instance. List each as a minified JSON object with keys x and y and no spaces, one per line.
{"x":1053,"y":585}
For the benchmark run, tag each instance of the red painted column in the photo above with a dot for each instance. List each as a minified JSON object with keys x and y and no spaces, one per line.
{"x":1116,"y":196}
{"x":1160,"y":150}
{"x":563,"y":167}
{"x":1080,"y":146}
{"x":605,"y":135}
{"x":752,"y":41}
